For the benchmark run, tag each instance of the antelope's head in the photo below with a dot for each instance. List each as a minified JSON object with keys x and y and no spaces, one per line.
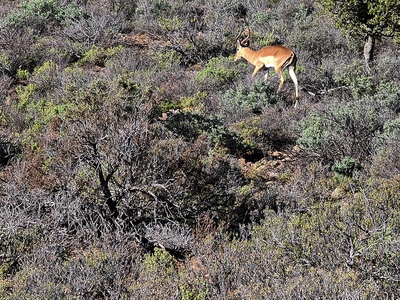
{"x":241,"y":45}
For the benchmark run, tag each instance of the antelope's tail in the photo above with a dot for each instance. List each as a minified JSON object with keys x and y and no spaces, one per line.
{"x":291,"y":62}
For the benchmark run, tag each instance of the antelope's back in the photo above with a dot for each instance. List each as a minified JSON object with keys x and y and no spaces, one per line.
{"x":275,"y":56}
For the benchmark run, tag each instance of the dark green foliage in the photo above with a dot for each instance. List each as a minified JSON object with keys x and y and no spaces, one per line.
{"x":218,"y":72}
{"x":41,"y":15}
{"x":344,"y":167}
{"x":368,"y":20}
{"x":346,"y":129}
{"x":191,"y":126}
{"x":376,"y":18}
{"x":248,"y":100}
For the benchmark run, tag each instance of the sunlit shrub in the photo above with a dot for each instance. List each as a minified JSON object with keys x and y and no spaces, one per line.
{"x":344,"y":129}
{"x":249,"y":222}
{"x":170,"y":25}
{"x":159,"y":261}
{"x":251,"y":130}
{"x":218,"y":72}
{"x":167,"y":58}
{"x":191,"y":126}
{"x":193,"y":103}
{"x":314,"y":132}
{"x":354,"y":77}
{"x":97,"y":56}
{"x":243,"y":101}
{"x":41,"y":14}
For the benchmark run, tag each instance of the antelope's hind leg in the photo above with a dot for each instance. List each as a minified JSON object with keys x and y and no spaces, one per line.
{"x":266,"y":73}
{"x":294,"y":78}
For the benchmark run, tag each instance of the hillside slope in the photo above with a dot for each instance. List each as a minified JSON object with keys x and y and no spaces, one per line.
{"x":139,"y":160}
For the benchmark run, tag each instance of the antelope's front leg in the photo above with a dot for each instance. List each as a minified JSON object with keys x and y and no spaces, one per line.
{"x":258,"y":68}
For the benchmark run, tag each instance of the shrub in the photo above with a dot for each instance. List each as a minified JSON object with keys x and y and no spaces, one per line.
{"x":176,"y":239}
{"x":243,"y":101}
{"x":344,"y":167}
{"x":218,"y":72}
{"x":166,"y":59}
{"x":386,"y":163}
{"x":159,"y":261}
{"x":387,"y":94}
{"x":314,"y":132}
{"x":97,"y":56}
{"x":41,"y":15}
{"x":106,"y":200}
{"x":347,"y":129}
{"x":18,"y":53}
{"x":386,"y":66}
{"x":191,"y":126}
{"x":96,"y":28}
{"x":272,"y":130}
{"x":353,"y":76}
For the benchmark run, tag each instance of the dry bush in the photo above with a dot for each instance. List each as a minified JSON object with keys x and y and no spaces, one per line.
{"x":386,"y":163}
{"x":97,"y":28}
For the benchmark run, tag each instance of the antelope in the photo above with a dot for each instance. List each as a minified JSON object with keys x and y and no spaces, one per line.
{"x":275,"y":56}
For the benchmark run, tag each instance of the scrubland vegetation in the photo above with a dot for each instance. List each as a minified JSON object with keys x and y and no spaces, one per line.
{"x":139,"y":161}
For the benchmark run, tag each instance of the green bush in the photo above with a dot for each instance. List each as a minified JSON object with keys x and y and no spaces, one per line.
{"x":344,"y":129}
{"x":243,"y":101}
{"x":98,"y":56}
{"x":191,"y":125}
{"x":167,"y":59}
{"x":387,"y":94}
{"x":218,"y":72}
{"x":345,"y":167}
{"x":354,"y":77}
{"x":315,"y":132}
{"x":159,"y":261}
{"x":40,"y":15}
{"x":38,"y":100}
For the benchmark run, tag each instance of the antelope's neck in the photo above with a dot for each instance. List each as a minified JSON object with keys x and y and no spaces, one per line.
{"x":250,"y":56}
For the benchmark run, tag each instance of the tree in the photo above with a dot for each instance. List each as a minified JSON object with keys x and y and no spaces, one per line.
{"x":369,"y":19}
